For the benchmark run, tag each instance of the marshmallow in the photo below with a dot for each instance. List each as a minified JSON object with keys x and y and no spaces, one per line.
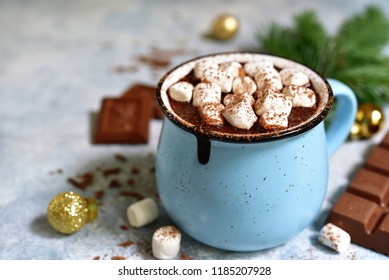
{"x":334,"y":238}
{"x":252,"y":67}
{"x":267,"y":77}
{"x":301,"y":96}
{"x":273,"y":100}
{"x":204,"y":93}
{"x":181,"y":91}
{"x":222,"y":78}
{"x":229,"y":98}
{"x":142,"y":212}
{"x":293,"y":77}
{"x":240,"y":114}
{"x":271,"y":120}
{"x":243,"y":85}
{"x":234,"y":68}
{"x":211,"y":113}
{"x":166,"y":242}
{"x":203,"y":65}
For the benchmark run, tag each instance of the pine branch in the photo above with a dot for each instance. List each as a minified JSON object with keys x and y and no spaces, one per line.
{"x":272,"y":34}
{"x":364,"y":35}
{"x":354,"y":55}
{"x":371,"y":81}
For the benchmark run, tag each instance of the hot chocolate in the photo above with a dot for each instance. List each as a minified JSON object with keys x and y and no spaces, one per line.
{"x":244,"y":190}
{"x":243,"y":97}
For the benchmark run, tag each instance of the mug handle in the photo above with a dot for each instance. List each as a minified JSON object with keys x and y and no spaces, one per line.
{"x":344,"y":116}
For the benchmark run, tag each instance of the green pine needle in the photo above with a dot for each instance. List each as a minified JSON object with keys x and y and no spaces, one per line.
{"x":364,"y":35}
{"x":354,"y":55}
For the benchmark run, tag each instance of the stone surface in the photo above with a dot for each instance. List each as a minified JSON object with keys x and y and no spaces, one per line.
{"x":59,"y":59}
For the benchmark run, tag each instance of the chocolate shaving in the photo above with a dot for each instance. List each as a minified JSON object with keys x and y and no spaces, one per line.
{"x":111,"y":171}
{"x":114,"y":183}
{"x":124,"y":227}
{"x":120,"y":157}
{"x":130,"y":182}
{"x":132,"y":194}
{"x":99,"y":194}
{"x":118,"y":258}
{"x":184,"y":256}
{"x":126,"y":243}
{"x":84,"y":182}
{"x":135,"y":170}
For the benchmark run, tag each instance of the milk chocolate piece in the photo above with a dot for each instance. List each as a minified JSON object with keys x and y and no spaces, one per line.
{"x":363,"y":209}
{"x":379,"y":160}
{"x":371,"y":185}
{"x":143,"y":89}
{"x":124,"y":120}
{"x":385,"y":141}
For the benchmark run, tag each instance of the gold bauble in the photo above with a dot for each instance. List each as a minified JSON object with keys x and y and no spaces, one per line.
{"x":224,"y":27}
{"x":370,"y":119}
{"x":68,"y":212}
{"x":355,"y":132}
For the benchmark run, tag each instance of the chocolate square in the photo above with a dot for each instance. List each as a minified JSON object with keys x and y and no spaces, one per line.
{"x":378,"y":160}
{"x":124,"y":121}
{"x":354,"y":213}
{"x":371,"y":185}
{"x":363,"y":209}
{"x":385,"y":141}
{"x":143,"y":89}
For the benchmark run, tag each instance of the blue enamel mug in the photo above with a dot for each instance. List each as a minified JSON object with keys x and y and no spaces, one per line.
{"x":249,"y":192}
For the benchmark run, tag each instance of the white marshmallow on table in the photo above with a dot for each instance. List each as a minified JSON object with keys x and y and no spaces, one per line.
{"x":252,"y":67}
{"x":232,"y":97}
{"x":293,"y":77}
{"x":142,"y":212}
{"x":222,"y":78}
{"x":272,"y":120}
{"x":233,"y":67}
{"x":181,"y":91}
{"x":211,"y":113}
{"x":268,"y":77}
{"x":240,"y":114}
{"x":273,"y":100}
{"x":204,"y":93}
{"x":203,"y":65}
{"x":166,"y":242}
{"x":334,"y":237}
{"x":301,"y":96}
{"x":243,"y":85}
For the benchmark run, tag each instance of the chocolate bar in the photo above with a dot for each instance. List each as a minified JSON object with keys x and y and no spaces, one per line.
{"x":143,"y":89}
{"x":124,"y":120}
{"x":363,"y":209}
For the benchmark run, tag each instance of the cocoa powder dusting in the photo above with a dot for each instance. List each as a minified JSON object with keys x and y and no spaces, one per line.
{"x":190,"y":113}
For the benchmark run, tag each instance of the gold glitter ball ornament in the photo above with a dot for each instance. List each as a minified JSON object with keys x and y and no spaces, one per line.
{"x":224,"y":27}
{"x":369,"y":120}
{"x":68,"y":212}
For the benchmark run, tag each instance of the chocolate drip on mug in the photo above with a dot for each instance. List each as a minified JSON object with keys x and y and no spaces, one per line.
{"x":203,"y":149}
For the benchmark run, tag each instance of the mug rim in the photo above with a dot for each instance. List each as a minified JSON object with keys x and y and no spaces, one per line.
{"x":202,"y":132}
